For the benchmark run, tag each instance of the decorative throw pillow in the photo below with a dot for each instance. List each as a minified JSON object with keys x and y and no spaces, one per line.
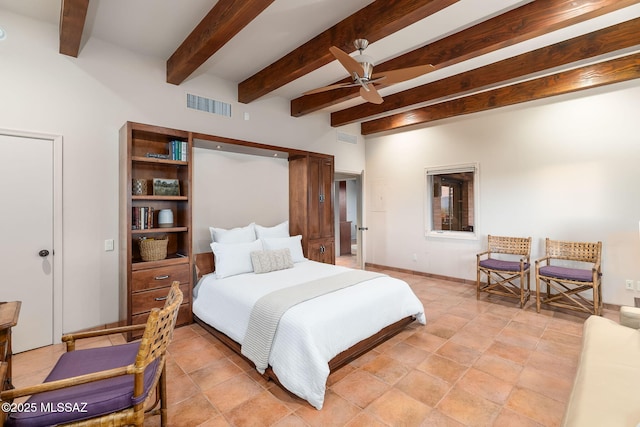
{"x":280,"y":230}
{"x":266,"y":261}
{"x":294,"y":243}
{"x":235,"y":235}
{"x":234,"y":258}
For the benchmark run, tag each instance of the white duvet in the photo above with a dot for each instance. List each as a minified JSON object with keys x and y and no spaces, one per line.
{"x":311,"y":333}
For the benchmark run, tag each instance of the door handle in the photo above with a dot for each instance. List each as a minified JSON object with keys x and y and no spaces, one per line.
{"x":43,"y":253}
{"x":363,"y":228}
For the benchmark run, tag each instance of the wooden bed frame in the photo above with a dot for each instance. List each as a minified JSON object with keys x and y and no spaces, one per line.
{"x":204,"y":265}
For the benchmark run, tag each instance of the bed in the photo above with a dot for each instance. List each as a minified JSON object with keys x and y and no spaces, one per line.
{"x":314,"y":336}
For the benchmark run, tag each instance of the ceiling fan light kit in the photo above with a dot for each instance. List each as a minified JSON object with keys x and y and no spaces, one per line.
{"x":360,"y":69}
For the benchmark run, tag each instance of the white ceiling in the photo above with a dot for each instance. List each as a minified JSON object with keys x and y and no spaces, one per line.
{"x":157,"y":27}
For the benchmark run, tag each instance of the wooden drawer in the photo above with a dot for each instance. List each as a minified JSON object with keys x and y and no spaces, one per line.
{"x":145,"y":301}
{"x":184,"y":318}
{"x":159,"y":277}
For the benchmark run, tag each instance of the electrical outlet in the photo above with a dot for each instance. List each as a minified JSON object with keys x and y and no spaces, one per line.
{"x":629,"y":284}
{"x":108,"y":245}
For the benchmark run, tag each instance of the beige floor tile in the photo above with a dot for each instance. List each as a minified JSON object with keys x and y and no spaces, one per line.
{"x":468,"y":409}
{"x":360,"y":388}
{"x":542,"y":409}
{"x":498,"y":367}
{"x":485,"y":385}
{"x":399,"y":409}
{"x":233,"y":392}
{"x":336,"y":411}
{"x":407,"y":354}
{"x":443,"y":368}
{"x":261,"y":410}
{"x":424,"y":387}
{"x":386,"y":368}
{"x":459,"y":353}
{"x":214,"y":373}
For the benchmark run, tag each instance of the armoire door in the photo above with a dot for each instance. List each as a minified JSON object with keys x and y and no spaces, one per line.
{"x":320,"y":198}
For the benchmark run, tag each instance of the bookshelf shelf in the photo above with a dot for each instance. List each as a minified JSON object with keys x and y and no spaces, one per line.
{"x":139,"y":159}
{"x":161,"y":230}
{"x":160,"y":198}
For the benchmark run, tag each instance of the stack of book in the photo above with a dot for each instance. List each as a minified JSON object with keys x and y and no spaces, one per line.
{"x":178,"y":150}
{"x":142,"y":218}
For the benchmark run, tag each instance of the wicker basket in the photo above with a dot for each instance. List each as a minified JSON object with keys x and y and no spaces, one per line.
{"x":153,"y":249}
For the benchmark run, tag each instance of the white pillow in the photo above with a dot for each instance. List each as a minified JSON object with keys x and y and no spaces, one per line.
{"x":234,"y":258}
{"x":267,"y":261}
{"x":294,"y":243}
{"x":280,"y":230}
{"x":235,"y":235}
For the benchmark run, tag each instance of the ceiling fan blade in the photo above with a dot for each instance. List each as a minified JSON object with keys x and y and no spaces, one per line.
{"x":330,"y":87}
{"x":397,"y":76}
{"x":350,"y":64}
{"x":370,"y":94}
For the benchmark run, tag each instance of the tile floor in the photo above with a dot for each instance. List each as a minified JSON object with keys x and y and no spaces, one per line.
{"x":475,"y":363}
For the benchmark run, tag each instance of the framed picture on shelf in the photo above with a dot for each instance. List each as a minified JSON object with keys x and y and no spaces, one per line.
{"x":166,"y":187}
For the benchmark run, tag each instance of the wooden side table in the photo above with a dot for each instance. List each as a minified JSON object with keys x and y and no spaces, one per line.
{"x":9,"y":312}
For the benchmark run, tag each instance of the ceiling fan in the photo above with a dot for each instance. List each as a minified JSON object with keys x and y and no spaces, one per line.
{"x":360,"y":69}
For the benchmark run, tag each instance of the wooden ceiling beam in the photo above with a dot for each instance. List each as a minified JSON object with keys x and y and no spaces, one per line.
{"x":607,"y":40}
{"x":524,"y":23}
{"x":373,"y":22}
{"x":73,"y":14}
{"x":219,"y":26}
{"x":587,"y":77}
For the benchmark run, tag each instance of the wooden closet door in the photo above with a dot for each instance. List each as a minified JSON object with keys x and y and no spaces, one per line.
{"x":316,"y":205}
{"x":320,"y":198}
{"x":326,"y":211}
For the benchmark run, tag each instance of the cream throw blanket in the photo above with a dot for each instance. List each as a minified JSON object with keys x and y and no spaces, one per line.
{"x":268,"y":310}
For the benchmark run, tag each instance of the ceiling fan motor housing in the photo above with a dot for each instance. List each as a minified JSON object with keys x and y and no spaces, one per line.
{"x":365,"y":60}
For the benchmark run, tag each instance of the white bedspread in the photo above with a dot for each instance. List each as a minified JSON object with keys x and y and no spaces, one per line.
{"x":311,"y":333}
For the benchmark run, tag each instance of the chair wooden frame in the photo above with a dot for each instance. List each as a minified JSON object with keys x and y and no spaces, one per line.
{"x":568,"y":291}
{"x":512,"y":280}
{"x":157,"y":335}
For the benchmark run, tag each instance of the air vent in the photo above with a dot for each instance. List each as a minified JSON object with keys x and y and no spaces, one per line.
{"x":346,"y":137}
{"x":209,"y":105}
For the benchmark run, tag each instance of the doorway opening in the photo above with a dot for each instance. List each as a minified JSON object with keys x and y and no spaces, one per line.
{"x":348,"y":220}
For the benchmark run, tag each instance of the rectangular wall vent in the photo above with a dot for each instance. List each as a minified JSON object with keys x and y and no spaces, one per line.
{"x":209,"y":105}
{"x":346,"y":137}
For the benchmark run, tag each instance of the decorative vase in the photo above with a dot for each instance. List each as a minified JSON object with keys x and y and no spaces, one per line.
{"x":139,"y":187}
{"x":165,"y":218}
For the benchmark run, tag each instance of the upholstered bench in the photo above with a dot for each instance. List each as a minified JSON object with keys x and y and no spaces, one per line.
{"x":605,"y":390}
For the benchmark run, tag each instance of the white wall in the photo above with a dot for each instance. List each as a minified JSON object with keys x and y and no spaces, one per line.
{"x":234,"y":190}
{"x":566,"y":168}
{"x":86,"y":100}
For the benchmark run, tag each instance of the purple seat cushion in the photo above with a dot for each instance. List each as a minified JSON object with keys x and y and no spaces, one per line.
{"x":577,"y":274}
{"x":85,"y":400}
{"x":502,"y":265}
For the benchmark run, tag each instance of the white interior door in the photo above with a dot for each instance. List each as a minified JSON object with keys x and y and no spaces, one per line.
{"x":27,"y":230}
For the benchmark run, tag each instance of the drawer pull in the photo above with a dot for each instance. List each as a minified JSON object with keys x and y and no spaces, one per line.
{"x":166,"y":276}
{"x":160,"y":298}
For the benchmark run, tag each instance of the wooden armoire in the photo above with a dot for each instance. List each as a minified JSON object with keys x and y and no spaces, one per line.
{"x":311,"y":205}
